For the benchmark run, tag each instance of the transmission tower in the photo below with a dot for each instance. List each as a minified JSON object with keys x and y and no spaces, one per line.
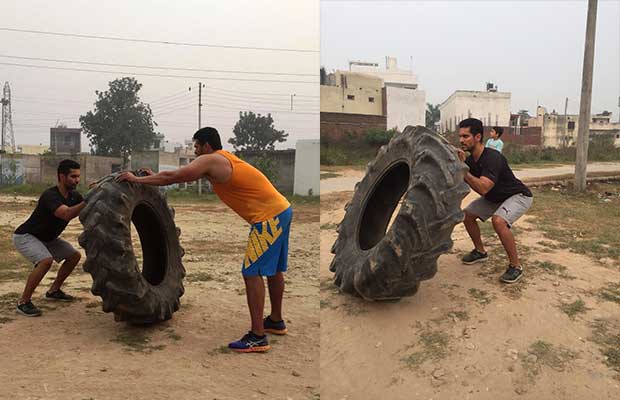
{"x":8,"y":138}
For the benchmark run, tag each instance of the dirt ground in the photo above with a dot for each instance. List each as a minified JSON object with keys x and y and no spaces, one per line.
{"x":464,"y":335}
{"x":75,"y":351}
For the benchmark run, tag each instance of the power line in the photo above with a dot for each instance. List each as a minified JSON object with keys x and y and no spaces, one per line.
{"x":259,"y":93}
{"x":154,"y":67}
{"x":156,"y":41}
{"x":155,"y":75}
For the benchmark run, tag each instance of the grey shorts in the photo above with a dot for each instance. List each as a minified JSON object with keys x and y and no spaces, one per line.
{"x":510,"y":210}
{"x":35,"y":250}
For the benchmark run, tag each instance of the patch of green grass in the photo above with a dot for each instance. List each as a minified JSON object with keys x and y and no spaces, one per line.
{"x":199,"y":277}
{"x":582,"y":223}
{"x":220,"y":350}
{"x":174,"y":336}
{"x":328,"y":175}
{"x":432,"y":345}
{"x":548,"y":244}
{"x":611,"y":292}
{"x":354,"y":307}
{"x":574,"y":308}
{"x":324,"y":303}
{"x":32,"y":189}
{"x":452,"y":316}
{"x":607,"y":335}
{"x":348,"y":152}
{"x":550,"y":267}
{"x":329,"y":226}
{"x":546,"y":354}
{"x":136,"y":342}
{"x":8,"y":301}
{"x":481,"y":296}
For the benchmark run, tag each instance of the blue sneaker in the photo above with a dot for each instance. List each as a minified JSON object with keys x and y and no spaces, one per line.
{"x":275,"y":327}
{"x":250,"y":343}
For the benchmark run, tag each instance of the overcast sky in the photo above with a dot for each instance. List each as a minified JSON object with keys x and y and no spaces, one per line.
{"x":41,"y":97}
{"x":533,"y":49}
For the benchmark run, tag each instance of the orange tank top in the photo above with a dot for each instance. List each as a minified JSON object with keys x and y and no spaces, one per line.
{"x":249,"y":193}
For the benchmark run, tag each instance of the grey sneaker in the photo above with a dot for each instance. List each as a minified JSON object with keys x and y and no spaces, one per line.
{"x":59,"y":295}
{"x":512,"y":274}
{"x":28,"y":309}
{"x":474,"y":256}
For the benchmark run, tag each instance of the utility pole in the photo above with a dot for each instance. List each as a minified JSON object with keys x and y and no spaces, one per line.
{"x":586,"y":99}
{"x":565,"y":133}
{"x":292,"y":95}
{"x":200,"y":86}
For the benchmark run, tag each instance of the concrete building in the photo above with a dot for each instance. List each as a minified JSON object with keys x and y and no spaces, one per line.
{"x":491,"y":107}
{"x":65,"y":140}
{"x":405,"y":104}
{"x":561,"y":131}
{"x":352,"y":93}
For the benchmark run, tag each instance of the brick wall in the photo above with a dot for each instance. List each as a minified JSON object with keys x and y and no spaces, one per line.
{"x":338,"y":126}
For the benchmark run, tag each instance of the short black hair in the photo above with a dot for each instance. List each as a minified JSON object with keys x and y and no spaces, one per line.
{"x":208,"y":135}
{"x":475,"y":126}
{"x":66,"y":166}
{"x":499,"y":130}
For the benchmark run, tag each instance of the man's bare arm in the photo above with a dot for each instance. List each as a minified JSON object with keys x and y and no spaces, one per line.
{"x":191,"y":172}
{"x":480,"y":185}
{"x":67,"y":213}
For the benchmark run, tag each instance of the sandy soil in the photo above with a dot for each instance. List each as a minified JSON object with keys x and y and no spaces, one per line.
{"x":76,"y":351}
{"x":465,"y":335}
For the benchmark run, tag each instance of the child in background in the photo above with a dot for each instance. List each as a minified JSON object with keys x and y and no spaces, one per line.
{"x":495,"y":142}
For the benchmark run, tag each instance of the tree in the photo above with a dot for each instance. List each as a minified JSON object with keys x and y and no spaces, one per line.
{"x":120,"y":122}
{"x":432,"y":115}
{"x":323,"y":75}
{"x":255,"y":132}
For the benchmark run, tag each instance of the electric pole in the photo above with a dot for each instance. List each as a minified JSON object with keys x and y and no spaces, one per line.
{"x":565,"y":138}
{"x":583,"y":135}
{"x":292,"y":95}
{"x":200,"y":86}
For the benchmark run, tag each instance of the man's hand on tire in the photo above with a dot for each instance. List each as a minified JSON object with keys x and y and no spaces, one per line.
{"x":126,"y":176}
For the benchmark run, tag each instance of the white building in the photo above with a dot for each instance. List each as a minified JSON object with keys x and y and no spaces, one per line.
{"x":491,"y":107}
{"x":405,"y":103}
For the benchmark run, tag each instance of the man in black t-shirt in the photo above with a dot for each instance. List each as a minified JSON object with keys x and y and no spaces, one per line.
{"x":37,"y":238}
{"x":504,"y":197}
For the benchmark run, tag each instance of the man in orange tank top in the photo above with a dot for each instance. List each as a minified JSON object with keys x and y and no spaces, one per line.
{"x":250,"y":194}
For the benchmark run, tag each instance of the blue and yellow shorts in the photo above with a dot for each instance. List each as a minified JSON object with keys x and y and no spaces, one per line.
{"x":267,"y":251}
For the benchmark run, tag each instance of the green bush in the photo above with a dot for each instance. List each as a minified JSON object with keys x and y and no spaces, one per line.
{"x":378,"y":137}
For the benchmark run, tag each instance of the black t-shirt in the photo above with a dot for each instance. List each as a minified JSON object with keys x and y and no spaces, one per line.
{"x":494,"y":166}
{"x":42,"y":222}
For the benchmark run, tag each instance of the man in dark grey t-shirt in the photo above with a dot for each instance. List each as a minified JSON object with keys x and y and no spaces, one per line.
{"x":37,"y":238}
{"x":504,"y":197}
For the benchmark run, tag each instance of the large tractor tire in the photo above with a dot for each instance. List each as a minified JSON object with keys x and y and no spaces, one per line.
{"x":420,"y":167}
{"x":137,"y":294}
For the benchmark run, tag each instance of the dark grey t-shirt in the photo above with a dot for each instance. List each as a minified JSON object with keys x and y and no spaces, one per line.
{"x":43,"y":224}
{"x":494,"y":166}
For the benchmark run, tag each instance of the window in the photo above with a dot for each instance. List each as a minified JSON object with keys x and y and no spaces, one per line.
{"x":350,"y":97}
{"x":571,"y":125}
{"x":371,"y":99}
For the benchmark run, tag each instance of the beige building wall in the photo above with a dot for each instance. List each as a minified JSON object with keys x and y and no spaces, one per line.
{"x":353,"y":93}
{"x":391,"y":75}
{"x":558,"y":131}
{"x":405,"y":107}
{"x":32,"y":148}
{"x":492,"y":108}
